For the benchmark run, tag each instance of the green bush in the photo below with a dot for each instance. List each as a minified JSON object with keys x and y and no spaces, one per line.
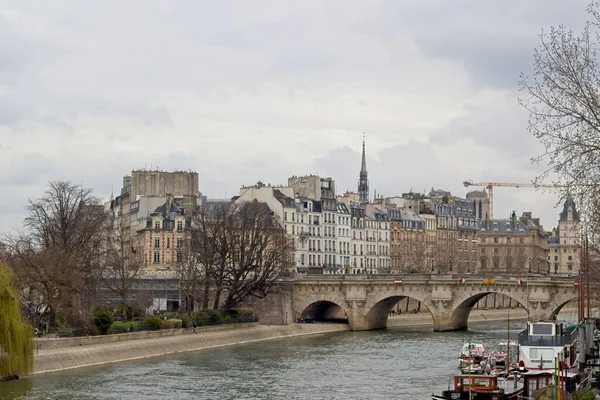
{"x":103,"y":319}
{"x":123,"y":327}
{"x":152,"y":322}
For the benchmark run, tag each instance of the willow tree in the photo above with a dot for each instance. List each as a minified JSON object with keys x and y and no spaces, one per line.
{"x":16,"y":336}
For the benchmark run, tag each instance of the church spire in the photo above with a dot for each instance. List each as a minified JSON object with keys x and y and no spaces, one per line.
{"x":363,"y":181}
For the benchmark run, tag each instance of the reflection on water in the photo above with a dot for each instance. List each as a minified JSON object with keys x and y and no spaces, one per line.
{"x":387,"y":364}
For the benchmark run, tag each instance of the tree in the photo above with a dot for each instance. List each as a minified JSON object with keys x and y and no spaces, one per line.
{"x":57,"y":251}
{"x":16,"y":336}
{"x":562,"y":98}
{"x":241,"y":250}
{"x":119,"y":266}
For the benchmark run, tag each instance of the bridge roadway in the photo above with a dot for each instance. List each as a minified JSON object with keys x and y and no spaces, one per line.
{"x":366,"y":300}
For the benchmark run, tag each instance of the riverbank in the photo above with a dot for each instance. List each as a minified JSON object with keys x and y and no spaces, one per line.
{"x":85,"y":354}
{"x":424,"y":319}
{"x":59,"y":359}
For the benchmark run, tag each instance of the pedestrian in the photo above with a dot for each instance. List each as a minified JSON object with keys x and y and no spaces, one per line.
{"x":195,"y":327}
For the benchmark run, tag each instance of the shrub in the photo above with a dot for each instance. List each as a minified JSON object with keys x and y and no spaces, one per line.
{"x":152,"y":322}
{"x":177,"y":323}
{"x":584,"y":394}
{"x":103,"y":319}
{"x":123,"y":327}
{"x":167,"y":324}
{"x":185,"y":321}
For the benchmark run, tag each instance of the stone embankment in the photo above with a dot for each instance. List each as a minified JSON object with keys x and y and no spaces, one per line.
{"x":67,"y":353}
{"x":68,"y":357}
{"x":424,"y":319}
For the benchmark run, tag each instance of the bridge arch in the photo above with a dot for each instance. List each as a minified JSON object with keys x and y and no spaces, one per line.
{"x":324,"y":310}
{"x":378,"y":314}
{"x":459,"y":317}
{"x":324,"y":307}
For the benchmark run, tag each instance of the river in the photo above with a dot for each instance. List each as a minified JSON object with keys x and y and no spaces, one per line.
{"x":388,"y":364}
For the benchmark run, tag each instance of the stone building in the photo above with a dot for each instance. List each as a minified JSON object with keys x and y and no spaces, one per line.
{"x":480,"y":203}
{"x":377,"y":234}
{"x":344,"y":232}
{"x":409,"y":249}
{"x":157,"y":196}
{"x":163,"y":240}
{"x":565,"y":243}
{"x":514,"y":245}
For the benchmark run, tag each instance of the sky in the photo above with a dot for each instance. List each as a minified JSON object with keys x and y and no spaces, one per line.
{"x":247,"y":91}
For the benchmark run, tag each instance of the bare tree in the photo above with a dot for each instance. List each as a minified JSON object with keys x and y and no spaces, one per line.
{"x":260,"y":253}
{"x":120,"y":265}
{"x":58,"y":249}
{"x":563,"y":102}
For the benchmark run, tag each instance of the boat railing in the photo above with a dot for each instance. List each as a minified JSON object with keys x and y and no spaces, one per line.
{"x":546,"y":340}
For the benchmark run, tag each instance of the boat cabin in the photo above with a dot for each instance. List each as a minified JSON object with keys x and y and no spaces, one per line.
{"x":475,"y":382}
{"x":535,"y":380}
{"x":542,"y":342}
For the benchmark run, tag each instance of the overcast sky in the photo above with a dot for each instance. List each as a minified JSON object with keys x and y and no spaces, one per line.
{"x":242,"y":91}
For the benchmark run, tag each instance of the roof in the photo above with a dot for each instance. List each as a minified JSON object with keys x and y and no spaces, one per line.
{"x":175,"y":208}
{"x":341,"y":208}
{"x":569,"y":203}
{"x":503,"y":226}
{"x":553,"y":240}
{"x":282,"y":198}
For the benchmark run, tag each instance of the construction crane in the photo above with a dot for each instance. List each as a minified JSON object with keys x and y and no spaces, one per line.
{"x":490,"y":188}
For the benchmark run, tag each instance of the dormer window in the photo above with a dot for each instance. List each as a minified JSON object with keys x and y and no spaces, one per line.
{"x":156,"y":224}
{"x":179,"y":225}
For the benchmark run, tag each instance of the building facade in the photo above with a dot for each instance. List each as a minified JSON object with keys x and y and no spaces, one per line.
{"x":514,"y":245}
{"x":565,"y":242}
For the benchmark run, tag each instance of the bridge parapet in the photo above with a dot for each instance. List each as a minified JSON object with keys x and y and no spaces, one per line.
{"x":368,"y":299}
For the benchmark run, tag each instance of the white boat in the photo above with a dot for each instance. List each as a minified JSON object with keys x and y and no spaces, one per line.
{"x":542,"y":342}
{"x":498,"y":357}
{"x":471,"y":353}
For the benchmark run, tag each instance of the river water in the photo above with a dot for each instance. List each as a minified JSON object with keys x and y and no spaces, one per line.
{"x":387,"y":364}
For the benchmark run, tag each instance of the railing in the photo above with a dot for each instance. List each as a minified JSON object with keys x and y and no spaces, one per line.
{"x":526,"y":340}
{"x":450,"y":278}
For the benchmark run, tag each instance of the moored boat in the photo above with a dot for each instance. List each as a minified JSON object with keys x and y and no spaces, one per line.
{"x":470,"y":353}
{"x":504,"y":350}
{"x":544,"y":341}
{"x":484,"y":387}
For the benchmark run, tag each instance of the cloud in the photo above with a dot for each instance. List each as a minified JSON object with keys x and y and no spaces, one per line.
{"x":244,"y":92}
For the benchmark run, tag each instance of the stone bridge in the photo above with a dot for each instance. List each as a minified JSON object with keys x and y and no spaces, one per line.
{"x":366,"y":300}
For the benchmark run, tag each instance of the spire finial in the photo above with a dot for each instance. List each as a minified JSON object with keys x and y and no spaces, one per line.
{"x":363,"y":181}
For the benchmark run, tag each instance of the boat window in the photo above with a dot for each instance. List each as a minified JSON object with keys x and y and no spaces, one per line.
{"x":539,"y":353}
{"x":542,"y":329}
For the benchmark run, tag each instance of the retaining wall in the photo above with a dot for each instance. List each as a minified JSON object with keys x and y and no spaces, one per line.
{"x":59,"y":343}
{"x":57,"y":359}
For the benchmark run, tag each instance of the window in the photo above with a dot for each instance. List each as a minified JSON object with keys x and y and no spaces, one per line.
{"x":179,"y":242}
{"x":157,"y":257}
{"x":156,"y":224}
{"x":179,"y":225}
{"x":495,"y":240}
{"x":179,"y":257}
{"x":570,"y":258}
{"x":285,"y":216}
{"x":168,"y":243}
{"x":156,"y":242}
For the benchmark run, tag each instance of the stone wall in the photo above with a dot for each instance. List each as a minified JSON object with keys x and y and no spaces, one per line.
{"x":59,"y":343}
{"x":59,"y":359}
